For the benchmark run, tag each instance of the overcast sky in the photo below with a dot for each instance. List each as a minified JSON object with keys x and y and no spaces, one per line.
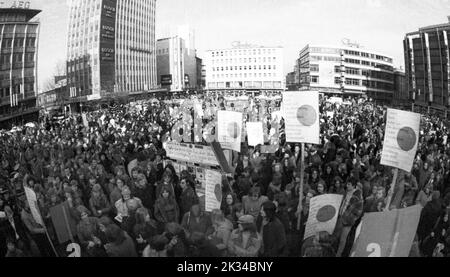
{"x":378,"y":25}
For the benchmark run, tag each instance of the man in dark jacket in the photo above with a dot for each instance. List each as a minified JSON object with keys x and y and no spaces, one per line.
{"x":188,"y":197}
{"x":350,"y":212}
{"x":273,"y":232}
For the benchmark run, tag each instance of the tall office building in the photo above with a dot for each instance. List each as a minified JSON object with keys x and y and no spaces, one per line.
{"x":111,"y":48}
{"x":346,"y":70}
{"x":245,"y":67}
{"x":19,"y":36}
{"x":427,"y":63}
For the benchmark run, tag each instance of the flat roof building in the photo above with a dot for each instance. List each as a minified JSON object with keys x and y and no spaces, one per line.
{"x":346,"y":70}
{"x":19,"y":37}
{"x":111,"y":48}
{"x":245,"y":67}
{"x":427,"y":63}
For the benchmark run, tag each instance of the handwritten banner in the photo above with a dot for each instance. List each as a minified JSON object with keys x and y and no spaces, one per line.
{"x":191,"y":153}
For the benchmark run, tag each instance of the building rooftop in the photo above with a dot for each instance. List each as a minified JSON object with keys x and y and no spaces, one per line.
{"x":29,"y":13}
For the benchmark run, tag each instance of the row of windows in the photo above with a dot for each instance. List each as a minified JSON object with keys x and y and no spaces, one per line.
{"x":364,"y":83}
{"x":16,"y":58}
{"x":244,"y":60}
{"x":19,"y":29}
{"x":366,"y":63}
{"x":261,"y":67}
{"x":325,"y":58}
{"x":245,"y":75}
{"x":367,"y":55}
{"x":18,"y":42}
{"x":244,"y":52}
{"x":325,"y":50}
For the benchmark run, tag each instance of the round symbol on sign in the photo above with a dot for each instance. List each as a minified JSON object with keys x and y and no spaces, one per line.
{"x":233,"y":130}
{"x":306,"y":115}
{"x":218,"y":192}
{"x":326,"y":213}
{"x":406,"y":138}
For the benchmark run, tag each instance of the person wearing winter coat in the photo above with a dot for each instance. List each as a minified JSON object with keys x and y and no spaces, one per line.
{"x":166,"y":208}
{"x":222,"y":231}
{"x":273,"y":233}
{"x":98,"y":202}
{"x":197,"y":221}
{"x":429,"y":216}
{"x":87,"y":229}
{"x":253,"y":202}
{"x":188,"y":197}
{"x":351,"y":210}
{"x":245,"y":241}
{"x":120,"y":243}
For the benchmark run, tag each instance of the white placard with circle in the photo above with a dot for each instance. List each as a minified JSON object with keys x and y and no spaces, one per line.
{"x":401,"y":139}
{"x":229,"y":130}
{"x":301,"y":114}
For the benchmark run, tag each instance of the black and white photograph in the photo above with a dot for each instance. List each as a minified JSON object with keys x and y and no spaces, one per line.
{"x":225,"y":135}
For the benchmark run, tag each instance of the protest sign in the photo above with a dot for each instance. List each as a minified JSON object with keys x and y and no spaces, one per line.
{"x":301,"y":114}
{"x":229,"y":130}
{"x":323,"y":214}
{"x":213,"y":190}
{"x":401,"y":139}
{"x":191,"y":153}
{"x":32,"y":202}
{"x":255,"y":133}
{"x":85,"y":121}
{"x":387,"y":234}
{"x":64,"y":225}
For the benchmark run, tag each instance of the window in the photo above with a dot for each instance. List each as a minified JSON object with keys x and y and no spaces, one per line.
{"x":337,"y":69}
{"x":352,"y":82}
{"x":337,"y":80}
{"x":313,"y":67}
{"x":315,"y":79}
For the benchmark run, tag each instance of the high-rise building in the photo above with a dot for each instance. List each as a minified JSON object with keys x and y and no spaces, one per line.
{"x":427,"y":63}
{"x":170,"y":63}
{"x":346,"y":70}
{"x":245,"y":67}
{"x":111,"y":48}
{"x":19,"y":36}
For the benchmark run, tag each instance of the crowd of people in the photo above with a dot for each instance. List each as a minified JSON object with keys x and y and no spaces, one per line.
{"x":153,"y":211}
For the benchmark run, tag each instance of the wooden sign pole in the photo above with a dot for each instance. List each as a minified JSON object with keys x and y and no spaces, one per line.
{"x":300,"y":196}
{"x":391,"y":190}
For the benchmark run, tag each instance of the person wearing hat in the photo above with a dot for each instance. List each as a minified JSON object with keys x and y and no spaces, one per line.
{"x":245,"y":241}
{"x":98,"y":203}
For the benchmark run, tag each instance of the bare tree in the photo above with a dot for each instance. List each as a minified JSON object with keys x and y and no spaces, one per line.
{"x":60,"y":70}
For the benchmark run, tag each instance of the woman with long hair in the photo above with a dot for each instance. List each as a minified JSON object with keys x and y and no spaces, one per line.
{"x":166,"y":207}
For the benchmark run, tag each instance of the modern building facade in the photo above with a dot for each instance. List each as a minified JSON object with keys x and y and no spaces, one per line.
{"x":401,"y":96}
{"x":245,"y":67}
{"x":19,"y":37}
{"x":178,"y":66}
{"x":111,"y":48}
{"x":346,"y":70}
{"x":427,"y":62}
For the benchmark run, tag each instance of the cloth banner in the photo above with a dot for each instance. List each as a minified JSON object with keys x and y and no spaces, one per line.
{"x":213,"y":190}
{"x":401,"y":139}
{"x":387,"y":234}
{"x":229,"y":131}
{"x":323,"y":214}
{"x":301,"y":114}
{"x":255,"y":133}
{"x":32,"y":202}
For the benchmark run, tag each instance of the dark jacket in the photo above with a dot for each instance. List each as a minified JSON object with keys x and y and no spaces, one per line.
{"x":188,"y":198}
{"x":274,"y":239}
{"x":354,"y":209}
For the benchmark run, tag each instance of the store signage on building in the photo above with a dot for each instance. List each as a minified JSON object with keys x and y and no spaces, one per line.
{"x":14,"y":4}
{"x":107,"y":45}
{"x":166,"y":80}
